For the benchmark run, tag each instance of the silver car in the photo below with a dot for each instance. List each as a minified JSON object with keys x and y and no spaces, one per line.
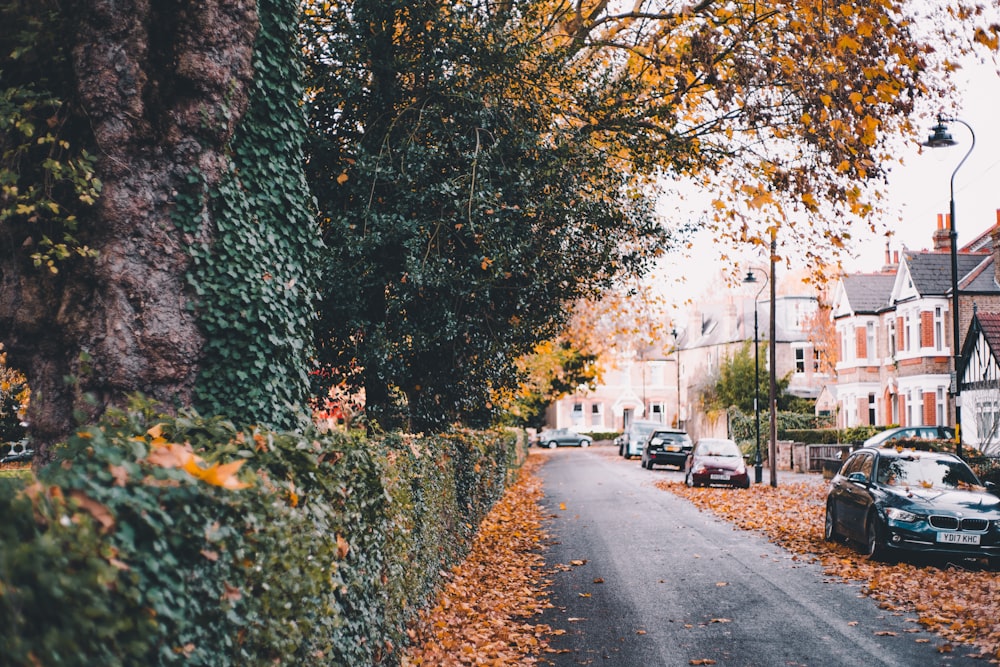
{"x":559,"y":437}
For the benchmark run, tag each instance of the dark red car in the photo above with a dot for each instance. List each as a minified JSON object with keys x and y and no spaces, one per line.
{"x":716,"y":461}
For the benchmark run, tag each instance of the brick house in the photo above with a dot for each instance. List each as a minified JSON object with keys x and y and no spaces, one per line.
{"x":894,"y":362}
{"x":981,"y":383}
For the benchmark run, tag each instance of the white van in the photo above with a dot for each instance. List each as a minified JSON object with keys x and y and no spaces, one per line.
{"x":632,"y":440}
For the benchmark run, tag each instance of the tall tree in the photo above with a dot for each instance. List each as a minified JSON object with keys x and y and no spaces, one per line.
{"x":482,"y":164}
{"x":459,"y":216}
{"x":117,"y":171}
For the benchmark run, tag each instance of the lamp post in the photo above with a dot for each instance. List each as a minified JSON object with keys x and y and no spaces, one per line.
{"x":677,"y":360}
{"x":758,"y":465}
{"x":941,"y":139}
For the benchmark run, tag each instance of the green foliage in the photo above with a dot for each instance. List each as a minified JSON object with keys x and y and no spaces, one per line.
{"x":256,"y":280}
{"x":119,"y":558}
{"x":734,"y":385}
{"x":743,"y":426}
{"x":46,"y":180}
{"x":553,"y":370}
{"x":460,"y":218}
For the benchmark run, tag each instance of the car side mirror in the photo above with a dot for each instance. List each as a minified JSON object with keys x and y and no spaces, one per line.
{"x":858,"y":477}
{"x":991,"y":487}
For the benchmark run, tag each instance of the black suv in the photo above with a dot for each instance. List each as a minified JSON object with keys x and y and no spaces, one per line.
{"x":667,"y":446}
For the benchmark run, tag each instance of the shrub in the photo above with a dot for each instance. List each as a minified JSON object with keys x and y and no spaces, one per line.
{"x":183,"y":540}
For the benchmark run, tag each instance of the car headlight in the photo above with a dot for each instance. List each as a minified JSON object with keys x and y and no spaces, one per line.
{"x":897,"y":514}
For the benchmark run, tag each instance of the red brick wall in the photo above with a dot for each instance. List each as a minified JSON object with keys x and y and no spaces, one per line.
{"x":930,"y":414}
{"x":900,"y":334}
{"x":902,"y":410}
{"x":863,"y":411}
{"x":861,"y":349}
{"x":926,"y":328}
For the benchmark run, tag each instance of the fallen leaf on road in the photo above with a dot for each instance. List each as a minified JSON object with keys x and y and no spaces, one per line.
{"x":584,"y":595}
{"x":702,"y":661}
{"x":853,"y":623}
{"x":562,"y":506}
{"x":577,"y":562}
{"x":720,"y":620}
{"x":640,"y":632}
{"x":575,"y":619}
{"x":885,"y":633}
{"x":599,"y":580}
{"x":722,"y":583}
{"x":961,"y":602}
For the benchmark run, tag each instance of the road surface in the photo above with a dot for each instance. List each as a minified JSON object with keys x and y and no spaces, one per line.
{"x":643,"y":579}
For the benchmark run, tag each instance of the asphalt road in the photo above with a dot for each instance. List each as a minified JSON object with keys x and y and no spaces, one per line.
{"x":659,"y":583}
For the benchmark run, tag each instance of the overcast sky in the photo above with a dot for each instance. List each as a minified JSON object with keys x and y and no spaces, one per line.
{"x":918,"y":191}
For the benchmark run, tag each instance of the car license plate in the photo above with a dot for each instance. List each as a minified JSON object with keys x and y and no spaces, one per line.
{"x":723,"y":477}
{"x":958,"y":538}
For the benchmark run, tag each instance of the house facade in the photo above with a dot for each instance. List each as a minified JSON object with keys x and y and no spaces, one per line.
{"x":896,"y":332}
{"x":665,"y":387}
{"x":981,"y":383}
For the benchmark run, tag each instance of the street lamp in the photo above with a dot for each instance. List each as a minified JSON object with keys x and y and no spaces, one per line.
{"x":758,"y":464}
{"x":677,"y":360}
{"x":941,"y":139}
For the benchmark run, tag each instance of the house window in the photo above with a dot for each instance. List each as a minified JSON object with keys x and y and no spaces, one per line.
{"x":657,"y":374}
{"x":577,"y":416}
{"x":912,"y":409}
{"x":871,"y":409}
{"x":656,"y":412}
{"x":908,"y":341}
{"x":870,"y":341}
{"x":987,"y":422}
{"x":596,"y":414}
{"x":800,"y":360}
{"x":938,"y":330}
{"x":815,"y":360}
{"x":941,"y":404}
{"x":892,"y":337}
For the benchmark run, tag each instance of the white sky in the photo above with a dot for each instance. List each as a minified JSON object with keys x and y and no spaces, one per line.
{"x":918,"y":191}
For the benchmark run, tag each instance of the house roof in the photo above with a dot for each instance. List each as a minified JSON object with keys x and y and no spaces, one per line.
{"x":931,"y":271}
{"x":868,"y":293}
{"x":990,"y":325}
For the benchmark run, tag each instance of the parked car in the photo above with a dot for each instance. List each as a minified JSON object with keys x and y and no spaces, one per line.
{"x":889,"y":436}
{"x":667,"y":446}
{"x":716,"y":461}
{"x":896,"y":502}
{"x":635,"y":436}
{"x":559,"y":437}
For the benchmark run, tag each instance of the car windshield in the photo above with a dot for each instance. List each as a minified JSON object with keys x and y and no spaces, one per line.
{"x":718,"y":448}
{"x":925,"y":472}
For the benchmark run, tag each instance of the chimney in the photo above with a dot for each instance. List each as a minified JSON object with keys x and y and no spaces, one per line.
{"x":942,"y":235}
{"x":891,"y":260}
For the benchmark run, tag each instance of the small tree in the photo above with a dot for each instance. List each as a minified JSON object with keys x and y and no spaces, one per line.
{"x":734,"y":385}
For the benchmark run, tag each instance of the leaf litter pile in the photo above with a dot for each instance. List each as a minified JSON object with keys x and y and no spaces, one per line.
{"x":958,"y":602}
{"x":483,"y":615}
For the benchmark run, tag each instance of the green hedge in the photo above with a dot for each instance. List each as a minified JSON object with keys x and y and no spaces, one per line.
{"x":120,"y":556}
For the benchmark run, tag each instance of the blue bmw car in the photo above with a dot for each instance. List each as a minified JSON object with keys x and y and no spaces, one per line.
{"x":899,"y":501}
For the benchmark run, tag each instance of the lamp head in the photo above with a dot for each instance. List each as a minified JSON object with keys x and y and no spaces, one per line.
{"x":940,"y":138}
{"x":750,"y":279}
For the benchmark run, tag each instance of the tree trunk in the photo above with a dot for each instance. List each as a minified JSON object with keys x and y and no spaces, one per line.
{"x":163,"y":85}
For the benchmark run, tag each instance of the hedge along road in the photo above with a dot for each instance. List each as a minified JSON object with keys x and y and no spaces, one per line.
{"x":642,"y":578}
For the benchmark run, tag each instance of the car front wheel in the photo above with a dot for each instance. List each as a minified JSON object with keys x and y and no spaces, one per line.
{"x":553,"y":444}
{"x":874,"y":549}
{"x":829,"y":525}
{"x":585,"y":443}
